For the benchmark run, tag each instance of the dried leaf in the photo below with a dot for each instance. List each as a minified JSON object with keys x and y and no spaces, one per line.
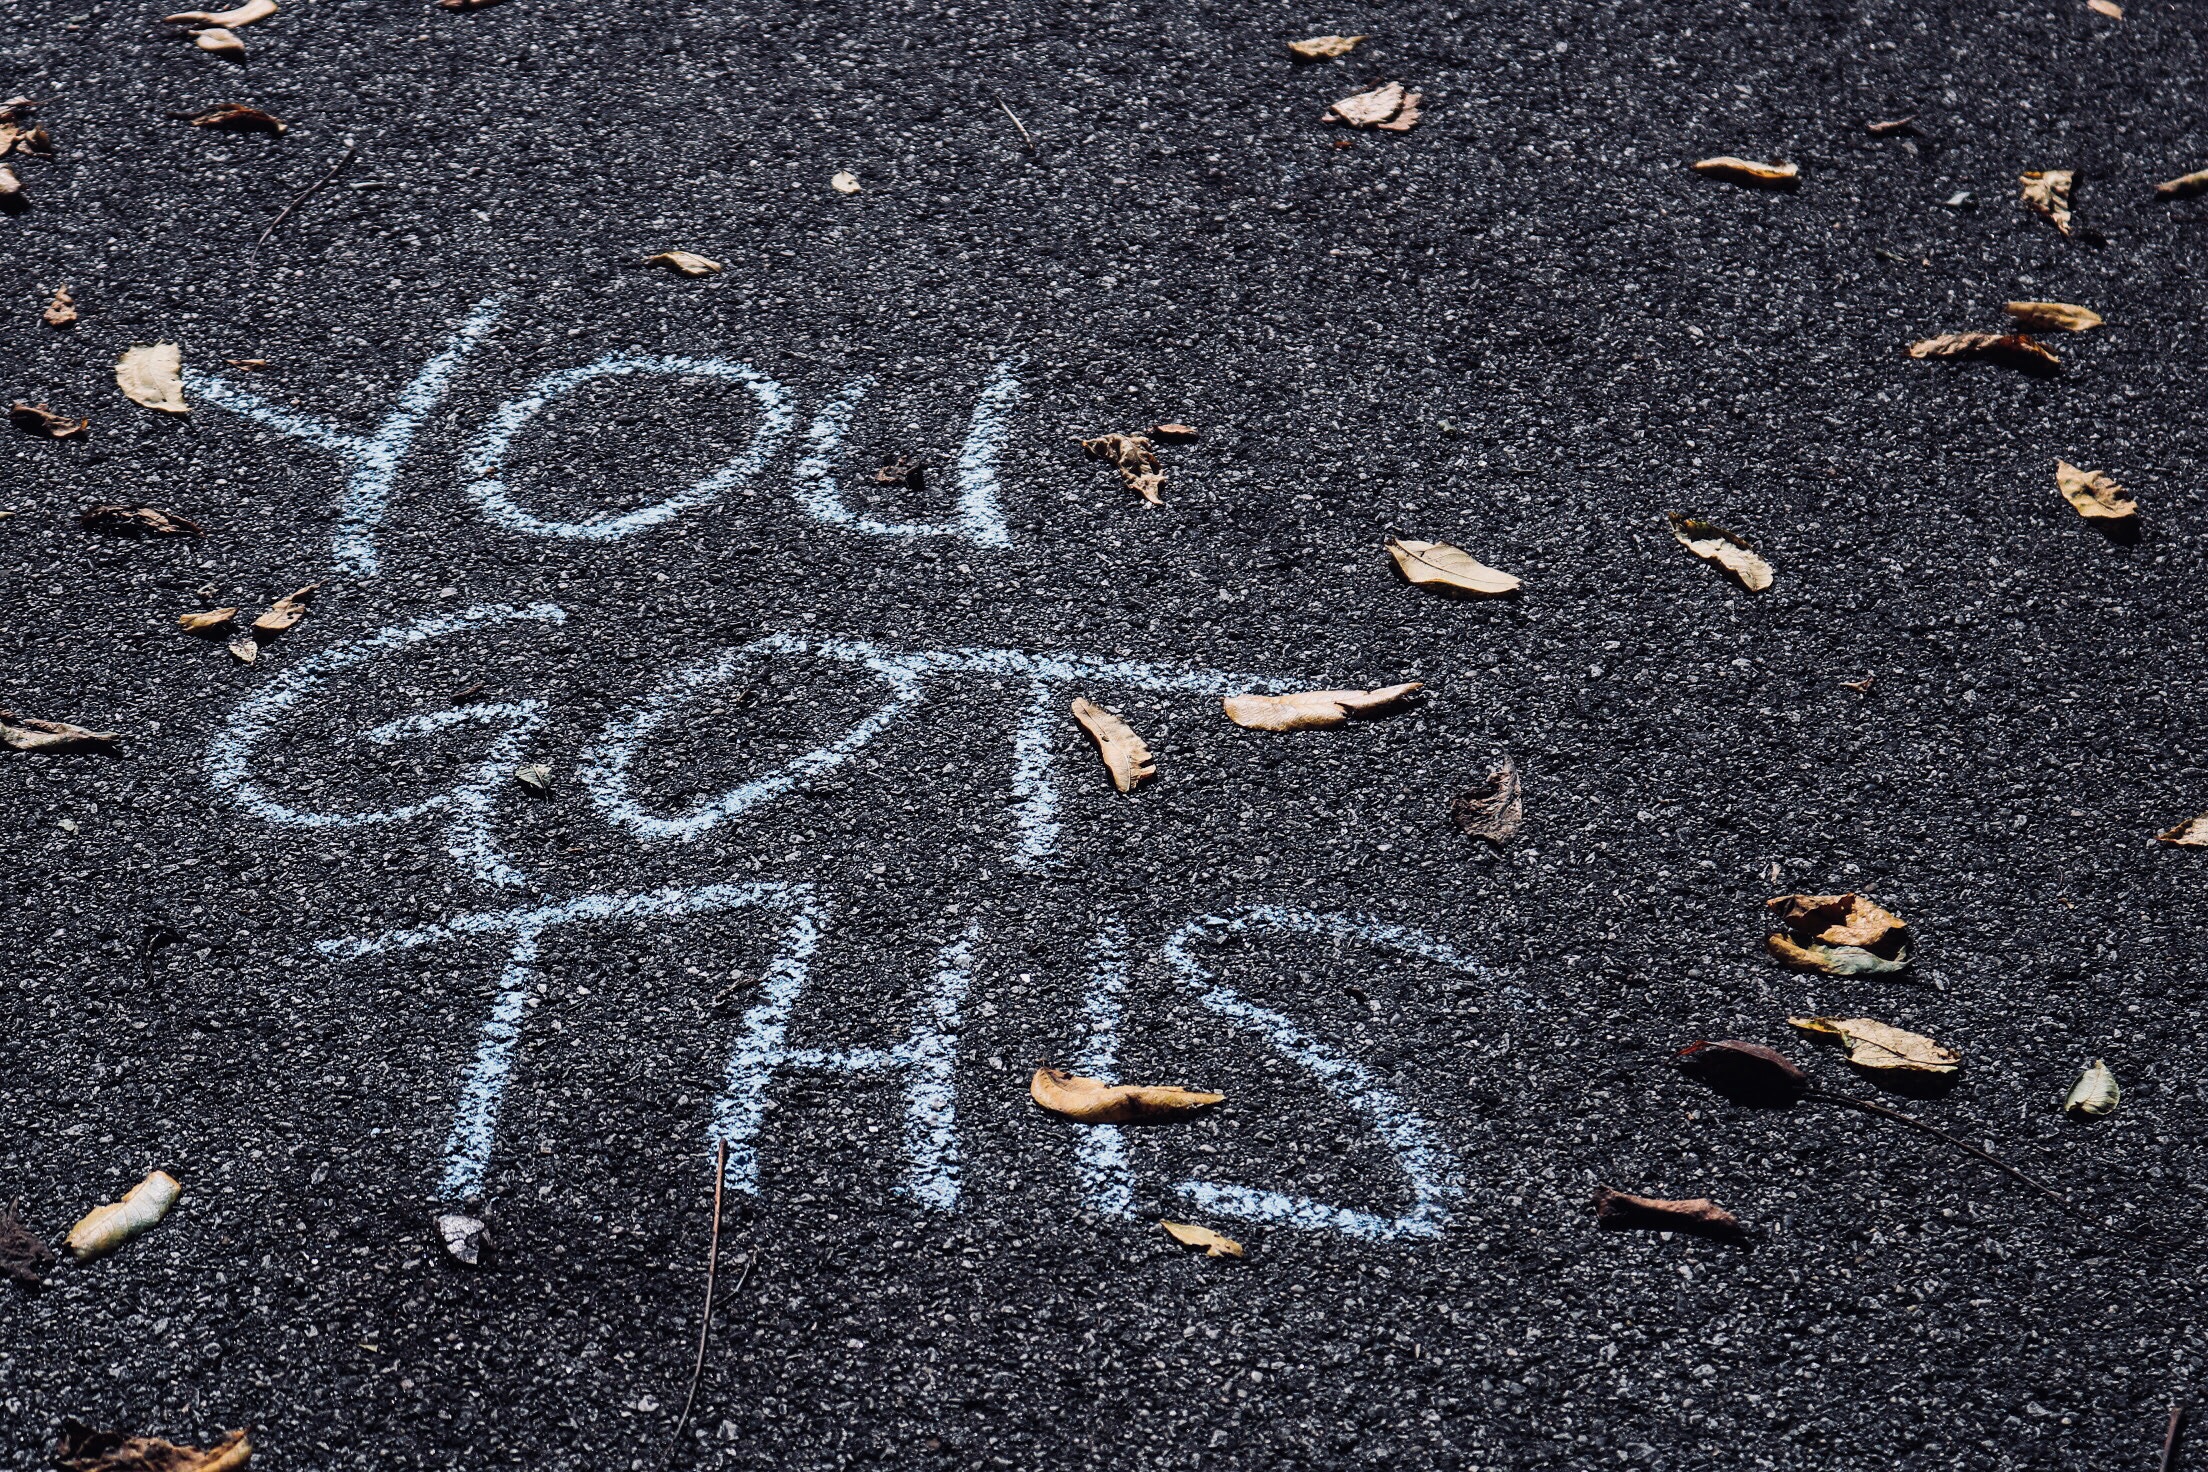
{"x":844,"y":183}
{"x":207,"y":621}
{"x":153,"y":376}
{"x":236,"y":117}
{"x":1306,"y":709}
{"x":26,"y":733}
{"x":284,"y":613}
{"x":2192,"y":833}
{"x":1324,"y":48}
{"x":684,"y":262}
{"x":12,"y":197}
{"x":466,"y":4}
{"x":537,"y":777}
{"x":1136,"y":459}
{"x":1841,"y":922}
{"x":1092,"y":1101}
{"x":2108,"y":8}
{"x":1891,"y":126}
{"x":220,"y":42}
{"x":1621,"y":1210}
{"x":2093,"y":495}
{"x":2048,"y":191}
{"x":2094,"y":1094}
{"x":244,"y":15}
{"x":1449,"y":570}
{"x":902,"y":471}
{"x":39,"y":420}
{"x":1747,"y":1073}
{"x":1492,"y":812}
{"x":2184,"y":186}
{"x":1774,"y":175}
{"x":2054,"y":316}
{"x":2010,"y":349}
{"x":465,"y":1239}
{"x":1213,"y":1244}
{"x":1173,"y":434}
{"x":137,"y":521}
{"x":1873,"y":1044}
{"x":1714,"y":544}
{"x":244,"y":650}
{"x":22,"y":1256}
{"x":62,"y":310}
{"x":1125,"y":756}
{"x":1388,"y":108}
{"x":108,"y":1227}
{"x":84,"y":1450}
{"x":250,"y":365}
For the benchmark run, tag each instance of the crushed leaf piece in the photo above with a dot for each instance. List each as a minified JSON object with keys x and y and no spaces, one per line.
{"x":463,"y":1238}
{"x":105,"y":1228}
{"x":2093,"y":495}
{"x":1747,"y":1073}
{"x":1306,"y":709}
{"x":1324,"y":48}
{"x":902,"y":471}
{"x":1173,"y":434}
{"x":466,"y":4}
{"x":26,"y":733}
{"x":1493,"y":811}
{"x":1092,"y":1101}
{"x":1449,"y":570}
{"x":207,"y":621}
{"x":1774,"y":175}
{"x":1213,"y":1244}
{"x":2009,"y":349}
{"x":81,"y":1449}
{"x":244,"y":15}
{"x":250,"y":365}
{"x":220,"y":42}
{"x":2048,"y":191}
{"x":22,"y":1256}
{"x":1621,"y":1210}
{"x":284,"y":612}
{"x":1713,"y":544}
{"x":684,"y":262}
{"x":37,"y":419}
{"x":1839,"y":935}
{"x":537,"y":777}
{"x":2184,"y":186}
{"x":153,"y":376}
{"x":2053,"y":316}
{"x":1388,"y":107}
{"x":1136,"y":459}
{"x":236,"y":117}
{"x":1890,"y":126}
{"x":1125,"y":755}
{"x":244,"y":650}
{"x":2108,"y":8}
{"x":844,"y":182}
{"x":12,"y":197}
{"x":137,"y":521}
{"x":2095,"y":1094}
{"x":1879,"y":1045}
{"x":2192,"y":833}
{"x":62,"y":310}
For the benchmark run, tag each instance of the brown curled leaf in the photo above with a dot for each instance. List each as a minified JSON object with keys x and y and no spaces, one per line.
{"x":207,"y":621}
{"x":1136,"y":460}
{"x":284,"y":612}
{"x":1774,"y":175}
{"x":1747,"y":1073}
{"x":1494,"y":811}
{"x":137,"y":521}
{"x":82,"y":1449}
{"x":1092,"y":1101}
{"x":1888,"y":127}
{"x":2048,"y":192}
{"x":1713,"y":544}
{"x":2009,"y":349}
{"x":37,"y":419}
{"x":1838,"y":935}
{"x":1441,"y":568}
{"x":22,"y":1256}
{"x":684,"y":263}
{"x":2053,"y":316}
{"x":1388,"y":108}
{"x":2184,"y":186}
{"x":1213,"y":1244}
{"x":1882,"y":1046}
{"x":1623,"y":1211}
{"x":1125,"y":755}
{"x":1174,"y":434}
{"x":2093,"y":495}
{"x":1306,"y":709}
{"x":237,"y":117}
{"x":26,"y":733}
{"x":62,"y":310}
{"x":2192,"y":833}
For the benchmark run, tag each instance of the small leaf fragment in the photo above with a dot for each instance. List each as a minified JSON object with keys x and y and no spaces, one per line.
{"x":219,"y":41}
{"x":1713,"y":544}
{"x":2093,"y":495}
{"x":237,"y":117}
{"x":244,"y":15}
{"x":463,"y":1238}
{"x":1174,"y":434}
{"x":684,"y":263}
{"x":244,"y":650}
{"x":1774,"y":175}
{"x":1213,"y":1244}
{"x":1449,"y":570}
{"x":844,"y":182}
{"x":62,"y":310}
{"x":1324,"y":48}
{"x":207,"y":621}
{"x":81,"y":1449}
{"x":27,"y":733}
{"x":37,"y":419}
{"x":537,"y":777}
{"x":2108,"y":8}
{"x":2095,"y":1094}
{"x":2184,"y":186}
{"x":105,"y":1228}
{"x":1887,"y":127}
{"x":2009,"y":349}
{"x":1125,"y":755}
{"x":1747,"y":1073}
{"x":284,"y":613}
{"x":466,"y":4}
{"x":1307,"y":709}
{"x":1388,"y":108}
{"x":2048,"y":192}
{"x":1092,"y":1101}
{"x":1621,"y":1210}
{"x":1136,"y":460}
{"x":1494,"y":811}
{"x":2192,"y":833}
{"x":153,"y":376}
{"x":1879,"y":1045}
{"x":2053,"y":316}
{"x":137,"y":521}
{"x":22,"y":1256}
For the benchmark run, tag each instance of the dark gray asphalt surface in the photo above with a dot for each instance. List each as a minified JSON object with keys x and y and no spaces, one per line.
{"x":1524,"y":327}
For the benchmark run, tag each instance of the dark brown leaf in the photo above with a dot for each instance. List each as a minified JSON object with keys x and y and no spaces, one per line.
{"x":82,"y":1449}
{"x":137,"y":521}
{"x":1623,"y":1211}
{"x":1494,"y":811}
{"x":1746,"y":1073}
{"x":37,"y":419}
{"x":22,"y":1256}
{"x":236,"y":117}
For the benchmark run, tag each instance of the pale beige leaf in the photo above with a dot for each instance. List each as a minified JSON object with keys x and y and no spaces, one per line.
{"x":244,"y":650}
{"x":1092,"y":1101}
{"x":1387,"y":107}
{"x":1714,"y":544}
{"x":2092,"y":494}
{"x":2095,"y":1094}
{"x":2184,"y":186}
{"x":105,"y":1228}
{"x":1775,"y":175}
{"x":1306,"y":709}
{"x":2192,"y":833}
{"x":220,"y":42}
{"x":27,"y":733}
{"x":2048,"y":191}
{"x":684,"y":262}
{"x":2054,"y":316}
{"x":1323,"y":48}
{"x":1873,"y":1044}
{"x":153,"y":376}
{"x":1447,"y":569}
{"x":206,"y":621}
{"x":844,"y":183}
{"x":2108,"y":8}
{"x":1213,"y":1244}
{"x":244,"y":15}
{"x":1125,"y":756}
{"x":285,"y":612}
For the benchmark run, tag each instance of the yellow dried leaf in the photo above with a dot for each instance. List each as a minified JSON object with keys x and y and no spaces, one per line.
{"x":284,"y":612}
{"x":244,"y":15}
{"x":2092,"y":494}
{"x":684,"y":262}
{"x":1447,"y":569}
{"x":84,"y":1450}
{"x":1714,"y":544}
{"x":1213,"y":1244}
{"x":1873,"y":1044}
{"x":1125,"y":756}
{"x":1388,"y":108}
{"x":2010,"y":349}
{"x":105,"y":1228}
{"x":2095,"y":1094}
{"x":1324,"y":48}
{"x":2048,"y":191}
{"x":2192,"y":833}
{"x":207,"y":621}
{"x":1839,"y":935}
{"x":1308,"y":708}
{"x":2054,"y":316}
{"x":1092,"y":1101}
{"x":220,"y":42}
{"x":844,"y":182}
{"x":153,"y":376}
{"x":2184,"y":186}
{"x":1777,"y":175}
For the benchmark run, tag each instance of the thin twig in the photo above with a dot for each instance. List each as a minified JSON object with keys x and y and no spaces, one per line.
{"x":705,"y":1322}
{"x":1025,"y":136}
{"x":2170,"y":1438}
{"x":283,"y":214}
